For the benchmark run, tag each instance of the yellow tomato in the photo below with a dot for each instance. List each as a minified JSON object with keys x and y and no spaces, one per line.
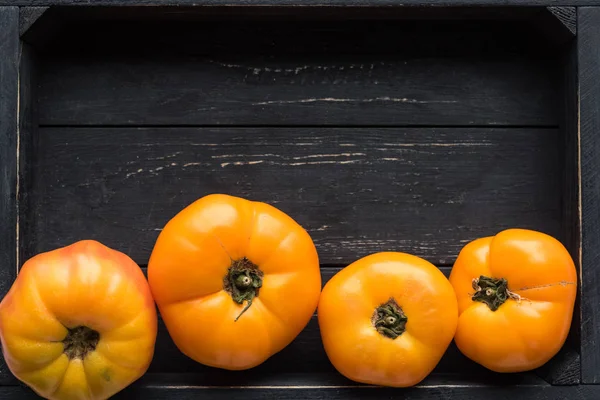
{"x":516,"y":292}
{"x":387,"y":319}
{"x":235,"y":280}
{"x":79,"y":322}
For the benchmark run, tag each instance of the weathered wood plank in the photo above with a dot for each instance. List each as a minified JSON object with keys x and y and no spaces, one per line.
{"x":300,"y":3}
{"x":296,"y":387}
{"x":254,"y":380}
{"x":433,"y":391}
{"x":421,"y":190}
{"x":567,"y":16}
{"x":342,"y":73}
{"x":28,"y":125}
{"x":271,"y":13}
{"x":589,"y":87}
{"x":558,"y":24}
{"x":565,"y":368}
{"x":29,"y":16}
{"x":9,"y":98}
{"x":40,"y":25}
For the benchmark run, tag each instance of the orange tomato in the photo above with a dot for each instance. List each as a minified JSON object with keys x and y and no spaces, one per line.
{"x":516,"y":292}
{"x":235,"y":280}
{"x":387,"y":319}
{"x":79,"y":322}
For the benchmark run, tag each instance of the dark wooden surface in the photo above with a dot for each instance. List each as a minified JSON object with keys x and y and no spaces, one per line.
{"x":474,"y":143}
{"x":567,"y":16}
{"x":589,"y":86}
{"x":566,"y":368}
{"x":558,"y":24}
{"x":346,"y":3}
{"x":29,"y":16}
{"x":332,"y":91}
{"x":28,"y":126}
{"x":295,"y":387}
{"x":356,"y":190}
{"x":9,"y":77}
{"x":267,"y":74}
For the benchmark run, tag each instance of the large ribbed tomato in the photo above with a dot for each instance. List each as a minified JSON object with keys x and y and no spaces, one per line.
{"x":387,"y":319}
{"x":79,"y":322}
{"x":516,"y":292}
{"x":235,"y":280}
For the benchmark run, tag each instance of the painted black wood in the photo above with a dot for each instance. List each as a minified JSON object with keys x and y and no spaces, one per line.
{"x":9,"y":77}
{"x":28,"y":125}
{"x":330,"y":3}
{"x":334,"y":73}
{"x":40,"y":25}
{"x":306,"y":387}
{"x":29,"y":16}
{"x":264,"y":13}
{"x":559,"y":24}
{"x":546,"y":192}
{"x":436,"y":392}
{"x":356,"y":190}
{"x":567,"y":16}
{"x":589,"y":86}
{"x":565,"y":368}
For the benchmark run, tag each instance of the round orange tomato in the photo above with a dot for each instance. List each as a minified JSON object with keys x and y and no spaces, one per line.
{"x":516,"y":292}
{"x":79,"y":322}
{"x":235,"y":280}
{"x":387,"y":319}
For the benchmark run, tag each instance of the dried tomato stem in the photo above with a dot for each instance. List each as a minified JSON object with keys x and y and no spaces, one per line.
{"x":80,"y":341}
{"x":493,"y":292}
{"x":242,"y":282}
{"x":389,"y":319}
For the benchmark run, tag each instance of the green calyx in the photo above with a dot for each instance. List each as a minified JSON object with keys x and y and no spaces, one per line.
{"x":493,"y":292}
{"x":389,"y":319}
{"x":80,"y":341}
{"x":242,"y":282}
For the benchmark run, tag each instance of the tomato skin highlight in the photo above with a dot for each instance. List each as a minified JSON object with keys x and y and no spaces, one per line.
{"x":79,"y":322}
{"x":531,"y":325}
{"x":235,"y":280}
{"x":354,"y":319}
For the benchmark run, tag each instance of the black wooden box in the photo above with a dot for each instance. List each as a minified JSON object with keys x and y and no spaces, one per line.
{"x":377,"y":128}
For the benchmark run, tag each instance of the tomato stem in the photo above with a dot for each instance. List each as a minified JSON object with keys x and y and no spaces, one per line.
{"x":493,"y":292}
{"x":80,"y":341}
{"x":389,"y":319}
{"x":242,"y":282}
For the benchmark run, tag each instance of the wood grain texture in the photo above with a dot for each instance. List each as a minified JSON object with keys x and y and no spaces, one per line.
{"x":297,"y":387}
{"x":262,"y":36}
{"x":9,"y":98}
{"x":40,"y":25}
{"x":589,"y":86}
{"x":567,"y":16}
{"x":558,"y":24}
{"x":565,"y":368}
{"x":343,"y":73}
{"x":29,"y":16}
{"x":28,"y":125}
{"x":265,"y":13}
{"x":306,"y":3}
{"x":422,"y":190}
{"x":372,"y":91}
